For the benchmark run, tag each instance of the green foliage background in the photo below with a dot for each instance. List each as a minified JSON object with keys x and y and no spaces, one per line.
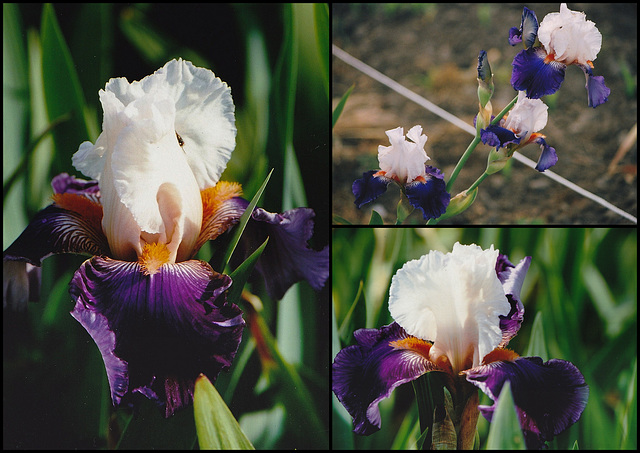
{"x":55,"y":59}
{"x":582,"y":281}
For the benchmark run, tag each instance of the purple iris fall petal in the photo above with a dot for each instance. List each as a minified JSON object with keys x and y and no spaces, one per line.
{"x":366,"y":373}
{"x":548,"y":158}
{"x":70,"y":225}
{"x":431,"y":196}
{"x":288,"y":259}
{"x":498,"y":137}
{"x":56,"y":230}
{"x":167,"y":327}
{"x":597,"y":91}
{"x":369,"y":187}
{"x":531,"y":73}
{"x":549,"y":396}
{"x":98,"y":327}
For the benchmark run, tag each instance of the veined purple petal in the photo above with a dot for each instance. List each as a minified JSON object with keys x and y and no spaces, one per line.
{"x":57,"y":230}
{"x":549,"y":396}
{"x":535,"y":76}
{"x":366,"y":373}
{"x":512,"y":278}
{"x":431,"y":196}
{"x":167,"y":327}
{"x":288,"y":259}
{"x":369,"y":187}
{"x":548,"y":157}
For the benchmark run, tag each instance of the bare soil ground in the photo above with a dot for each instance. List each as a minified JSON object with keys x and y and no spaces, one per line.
{"x":432,"y":49}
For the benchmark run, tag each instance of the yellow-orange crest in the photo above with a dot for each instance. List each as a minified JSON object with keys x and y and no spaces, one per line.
{"x":153,"y":257}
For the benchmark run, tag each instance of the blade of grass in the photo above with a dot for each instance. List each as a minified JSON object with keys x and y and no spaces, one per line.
{"x":302,"y":416}
{"x":14,"y":100}
{"x":356,"y":316}
{"x":505,"y":432}
{"x":216,"y":426}
{"x":239,"y":228}
{"x":321,"y":16}
{"x":41,"y":155}
{"x":241,"y":274}
{"x":629,"y":417}
{"x":338,"y":110}
{"x":537,"y":344}
{"x":63,"y":93}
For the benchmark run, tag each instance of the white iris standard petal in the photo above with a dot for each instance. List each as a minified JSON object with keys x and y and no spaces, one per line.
{"x":150,"y":194}
{"x":453,"y":300}
{"x":165,"y":138}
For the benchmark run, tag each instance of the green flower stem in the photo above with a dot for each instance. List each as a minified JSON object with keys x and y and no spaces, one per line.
{"x":478,"y":181}
{"x":505,"y":110}
{"x":474,"y":143}
{"x":462,"y":161}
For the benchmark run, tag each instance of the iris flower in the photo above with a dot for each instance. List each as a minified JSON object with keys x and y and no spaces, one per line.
{"x":455,"y":313}
{"x":158,"y":316}
{"x":404,"y":163}
{"x":519,"y":128}
{"x":566,"y":38}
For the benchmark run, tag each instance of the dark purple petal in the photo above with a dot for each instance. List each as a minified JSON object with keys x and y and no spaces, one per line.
{"x":548,"y":157}
{"x":549,"y":396}
{"x":430,"y":196}
{"x":369,"y":187}
{"x":498,"y":137}
{"x":64,"y":183}
{"x":366,"y":373}
{"x":287,"y":259}
{"x":515,"y":36}
{"x":533,"y":75}
{"x":167,"y":327}
{"x":512,"y":278}
{"x":58,"y":230}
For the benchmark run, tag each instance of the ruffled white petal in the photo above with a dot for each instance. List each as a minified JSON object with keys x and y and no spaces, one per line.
{"x":404,"y":160}
{"x":570,"y":36}
{"x":204,"y":119}
{"x":454,"y":300}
